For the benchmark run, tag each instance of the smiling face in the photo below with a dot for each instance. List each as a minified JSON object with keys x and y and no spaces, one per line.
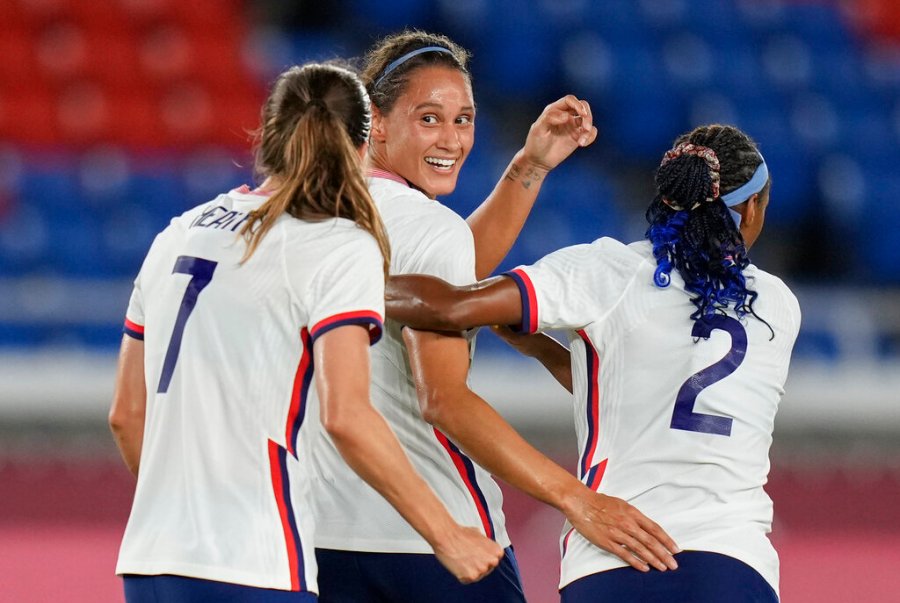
{"x":429,"y":132}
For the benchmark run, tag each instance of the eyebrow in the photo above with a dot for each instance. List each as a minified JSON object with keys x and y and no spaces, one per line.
{"x":430,"y":105}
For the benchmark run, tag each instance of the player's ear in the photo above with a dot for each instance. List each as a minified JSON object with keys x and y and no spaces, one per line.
{"x":753,"y":211}
{"x":377,"y":133}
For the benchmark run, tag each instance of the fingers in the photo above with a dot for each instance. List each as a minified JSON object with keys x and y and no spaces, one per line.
{"x":658,"y":534}
{"x":576,"y":114}
{"x":481,"y":558}
{"x":627,"y":533}
{"x":651,"y":551}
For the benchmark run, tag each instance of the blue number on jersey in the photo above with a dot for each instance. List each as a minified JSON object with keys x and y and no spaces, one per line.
{"x":684,"y":417}
{"x":201,"y":272}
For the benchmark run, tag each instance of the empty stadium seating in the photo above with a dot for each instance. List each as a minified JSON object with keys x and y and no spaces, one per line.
{"x":115,"y":116}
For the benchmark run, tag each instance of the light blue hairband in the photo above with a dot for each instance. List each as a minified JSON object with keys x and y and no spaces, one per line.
{"x":747,"y":190}
{"x":406,"y":57}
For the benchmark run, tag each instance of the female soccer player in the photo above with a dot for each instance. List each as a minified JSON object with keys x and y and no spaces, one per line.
{"x":422,"y":132}
{"x":679,"y":352}
{"x":241,"y":304}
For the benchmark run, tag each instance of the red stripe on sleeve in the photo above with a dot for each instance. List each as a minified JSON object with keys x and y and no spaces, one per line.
{"x":360,"y":317}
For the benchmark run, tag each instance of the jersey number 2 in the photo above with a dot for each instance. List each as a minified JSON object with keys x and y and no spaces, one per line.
{"x":684,"y":417}
{"x":201,"y":272}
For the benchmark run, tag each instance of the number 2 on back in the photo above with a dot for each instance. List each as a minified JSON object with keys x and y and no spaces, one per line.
{"x":683,"y":416}
{"x":201,"y":272}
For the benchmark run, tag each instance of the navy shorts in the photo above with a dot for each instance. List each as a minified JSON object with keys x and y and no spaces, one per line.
{"x":354,"y":577}
{"x":701,"y":577}
{"x":179,"y":589}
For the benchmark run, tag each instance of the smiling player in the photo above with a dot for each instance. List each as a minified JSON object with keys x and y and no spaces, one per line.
{"x":423,"y":127}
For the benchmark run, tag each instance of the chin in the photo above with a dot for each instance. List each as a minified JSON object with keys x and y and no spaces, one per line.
{"x":445,"y":186}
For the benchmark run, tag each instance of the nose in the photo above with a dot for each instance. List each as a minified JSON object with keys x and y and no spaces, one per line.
{"x":449,"y":138}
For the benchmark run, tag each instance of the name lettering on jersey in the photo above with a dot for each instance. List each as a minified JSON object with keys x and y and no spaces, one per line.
{"x":220,"y":218}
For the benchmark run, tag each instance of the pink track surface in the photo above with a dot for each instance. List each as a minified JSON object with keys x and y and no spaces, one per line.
{"x":60,"y":526}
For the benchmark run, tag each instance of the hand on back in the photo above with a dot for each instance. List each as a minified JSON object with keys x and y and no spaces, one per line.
{"x":619,"y":528}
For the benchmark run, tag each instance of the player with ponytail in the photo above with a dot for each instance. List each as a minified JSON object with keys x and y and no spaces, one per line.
{"x":247,"y":333}
{"x":676,"y":377}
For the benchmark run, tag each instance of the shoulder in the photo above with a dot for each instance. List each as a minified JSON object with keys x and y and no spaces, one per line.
{"x":770,"y":282}
{"x":322,"y":237}
{"x":605,"y":253}
{"x":400,"y":205}
{"x":767,"y":285}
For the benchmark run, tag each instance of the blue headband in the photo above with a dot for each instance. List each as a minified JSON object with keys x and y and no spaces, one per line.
{"x":406,"y":57}
{"x":747,"y":190}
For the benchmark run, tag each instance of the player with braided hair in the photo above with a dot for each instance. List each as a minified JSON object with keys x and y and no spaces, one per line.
{"x":676,"y":377}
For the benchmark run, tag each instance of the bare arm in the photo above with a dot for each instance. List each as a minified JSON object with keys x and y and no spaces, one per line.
{"x":552,"y":354}
{"x":440,"y":364}
{"x":563,"y":126}
{"x":368,"y":445}
{"x":427,"y":302}
{"x":126,"y":416}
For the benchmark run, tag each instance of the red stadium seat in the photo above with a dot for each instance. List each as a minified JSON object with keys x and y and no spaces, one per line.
{"x":27,"y":117}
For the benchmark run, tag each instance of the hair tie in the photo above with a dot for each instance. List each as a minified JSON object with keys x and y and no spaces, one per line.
{"x":396,"y":63}
{"x":695,"y":150}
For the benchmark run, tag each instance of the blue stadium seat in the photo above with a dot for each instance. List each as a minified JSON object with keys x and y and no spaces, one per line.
{"x":126,"y":236}
{"x":158,"y":189}
{"x":21,"y":335}
{"x":689,"y":62}
{"x":393,"y":15}
{"x":25,"y":239}
{"x":790,"y":165}
{"x":75,"y":245}
{"x":816,"y":345}
{"x":519,"y":55}
{"x":819,"y":23}
{"x":618,"y":21}
{"x":645,"y":112}
{"x":52,"y":183}
{"x":717,"y":22}
{"x":880,"y":238}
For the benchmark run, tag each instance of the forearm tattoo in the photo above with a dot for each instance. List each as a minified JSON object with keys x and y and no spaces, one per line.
{"x":531,"y":175}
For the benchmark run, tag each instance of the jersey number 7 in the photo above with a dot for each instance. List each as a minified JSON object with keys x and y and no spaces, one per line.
{"x":201,"y":272}
{"x":683,"y":416}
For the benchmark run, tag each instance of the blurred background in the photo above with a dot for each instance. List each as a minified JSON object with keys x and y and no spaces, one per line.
{"x":116,"y":115}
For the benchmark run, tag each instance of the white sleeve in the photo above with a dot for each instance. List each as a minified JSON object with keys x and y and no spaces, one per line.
{"x":348,"y":288}
{"x":574,"y":286}
{"x":134,"y":315}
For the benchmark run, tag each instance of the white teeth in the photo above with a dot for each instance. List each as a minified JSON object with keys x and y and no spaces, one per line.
{"x":444,"y":163}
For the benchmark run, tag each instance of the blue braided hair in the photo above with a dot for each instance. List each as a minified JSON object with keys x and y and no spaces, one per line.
{"x":691,"y":229}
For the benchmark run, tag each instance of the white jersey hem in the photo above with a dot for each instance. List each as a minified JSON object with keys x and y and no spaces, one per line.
{"x":366,"y":545}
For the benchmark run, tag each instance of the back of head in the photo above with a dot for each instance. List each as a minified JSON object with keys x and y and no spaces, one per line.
{"x":390,"y":62}
{"x":691,"y":229}
{"x":314,"y":123}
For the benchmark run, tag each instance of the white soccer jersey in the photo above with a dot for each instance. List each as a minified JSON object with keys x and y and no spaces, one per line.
{"x":674,"y":423}
{"x":426,"y":237}
{"x":224,"y":483}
